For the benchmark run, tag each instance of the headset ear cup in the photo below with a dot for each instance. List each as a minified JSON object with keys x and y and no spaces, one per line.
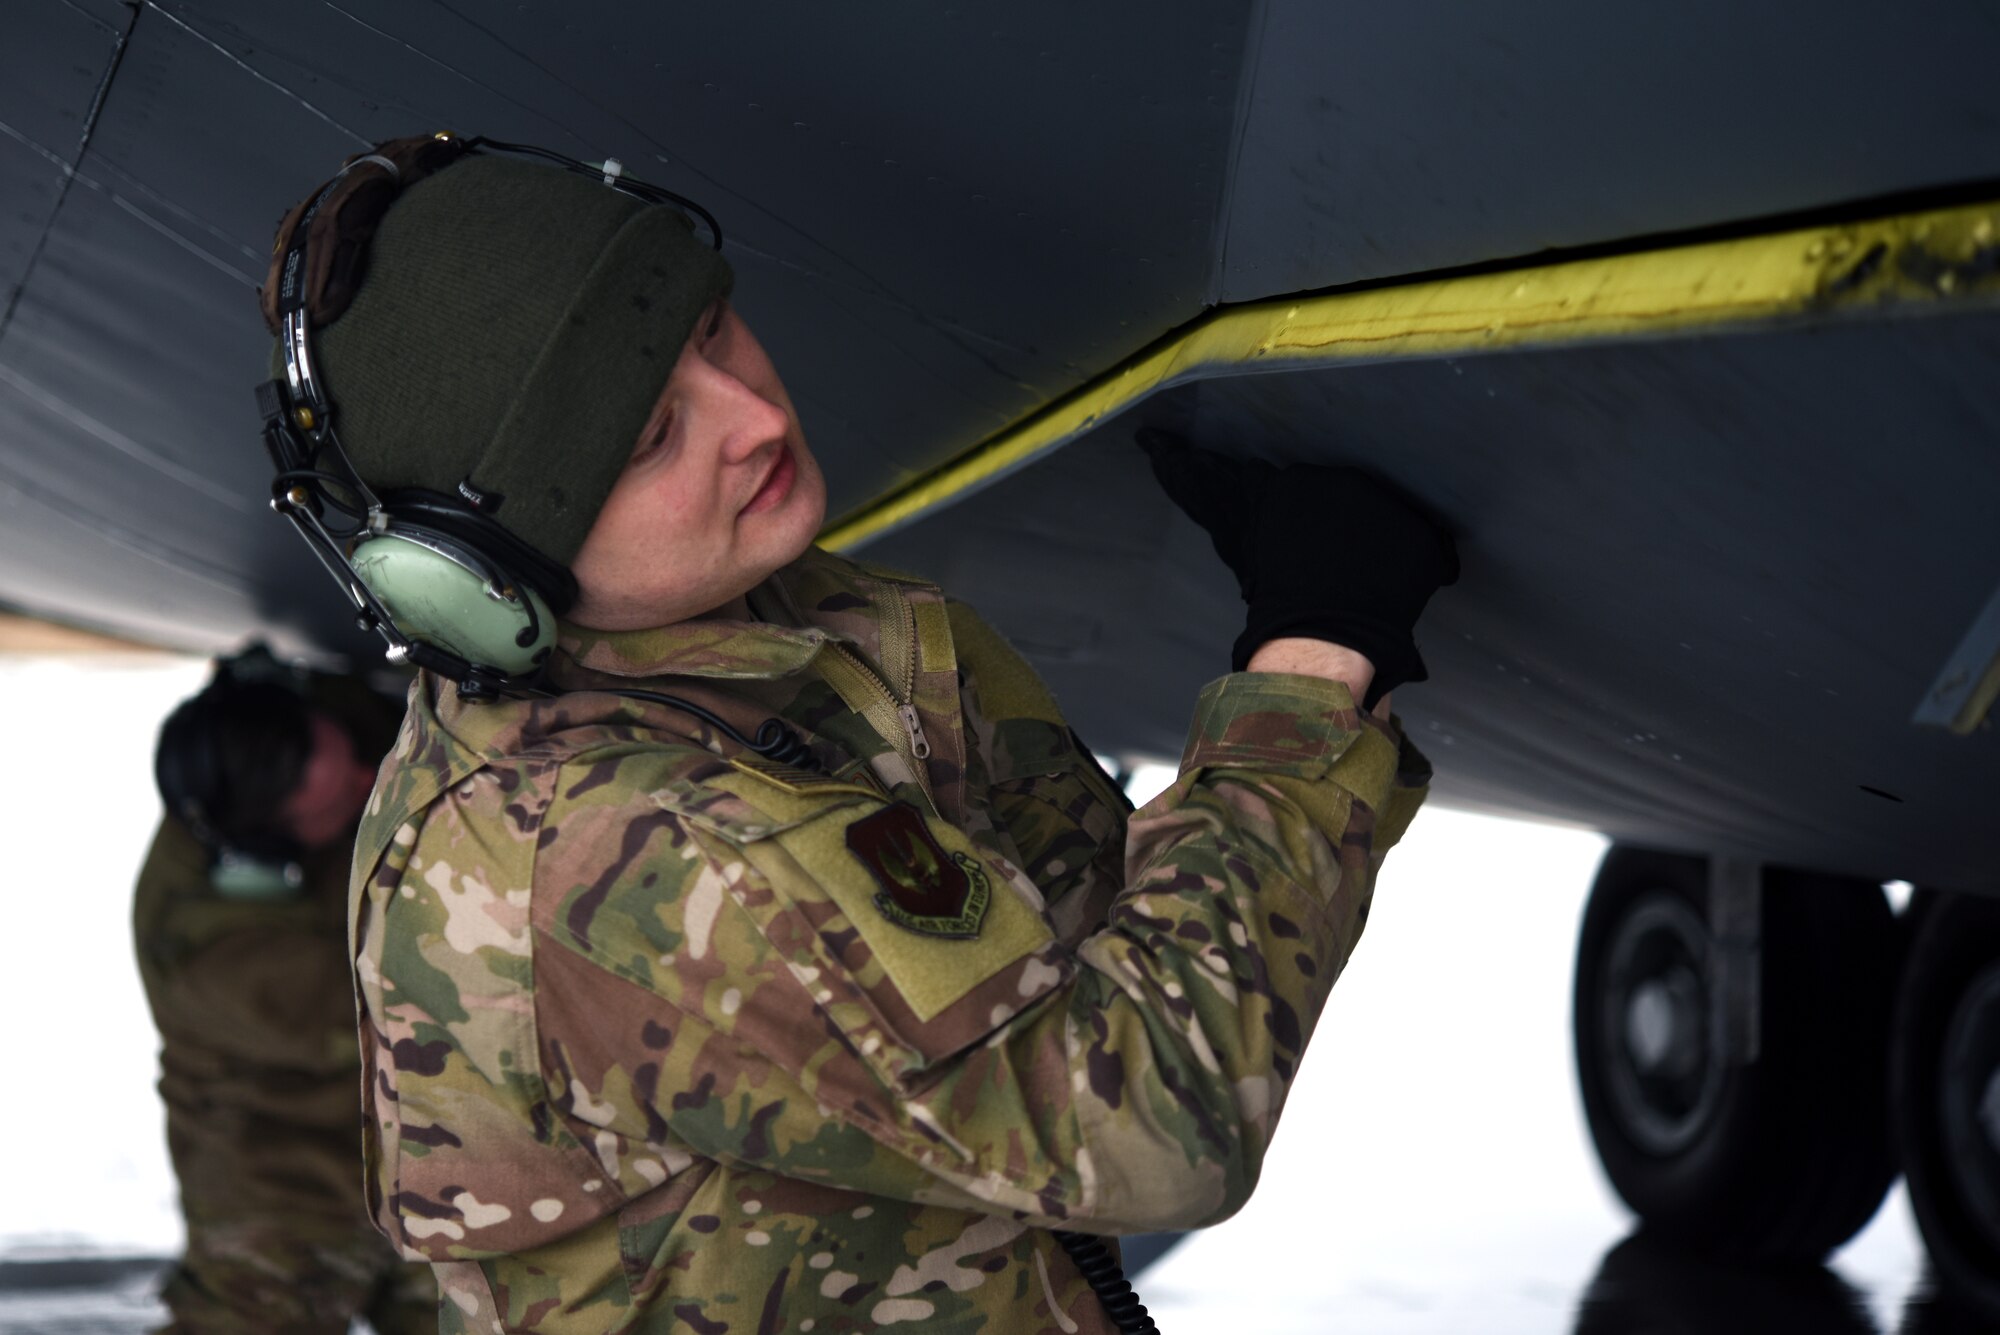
{"x":239,"y":876}
{"x":442,"y":593}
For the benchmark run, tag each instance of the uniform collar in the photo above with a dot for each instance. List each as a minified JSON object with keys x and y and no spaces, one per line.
{"x":735,"y":650}
{"x":783,"y":639}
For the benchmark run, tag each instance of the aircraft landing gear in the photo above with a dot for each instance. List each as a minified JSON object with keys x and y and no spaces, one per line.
{"x":1945,"y":1083}
{"x":1730,"y":1040}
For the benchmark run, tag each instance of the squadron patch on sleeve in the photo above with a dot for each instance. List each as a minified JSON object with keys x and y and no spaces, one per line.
{"x":924,"y":889}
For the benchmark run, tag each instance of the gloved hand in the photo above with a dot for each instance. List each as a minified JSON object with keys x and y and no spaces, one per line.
{"x":1325,"y":553}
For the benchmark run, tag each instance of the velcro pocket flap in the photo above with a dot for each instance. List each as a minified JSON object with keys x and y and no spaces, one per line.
{"x":914,"y":946}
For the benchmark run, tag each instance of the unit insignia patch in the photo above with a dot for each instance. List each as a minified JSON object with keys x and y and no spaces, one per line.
{"x":924,"y":888}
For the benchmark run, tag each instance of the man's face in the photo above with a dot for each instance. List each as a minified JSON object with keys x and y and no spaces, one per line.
{"x":331,"y":791}
{"x":720,"y":491}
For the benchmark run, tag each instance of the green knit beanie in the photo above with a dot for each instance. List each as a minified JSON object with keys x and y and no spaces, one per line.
{"x":514,"y":329}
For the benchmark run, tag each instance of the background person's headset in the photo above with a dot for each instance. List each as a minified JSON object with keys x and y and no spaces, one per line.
{"x":451,"y":590}
{"x":188,"y":767}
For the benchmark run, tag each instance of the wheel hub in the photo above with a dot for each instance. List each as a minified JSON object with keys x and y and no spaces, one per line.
{"x":1663,"y":1025}
{"x":1656,"y":1027}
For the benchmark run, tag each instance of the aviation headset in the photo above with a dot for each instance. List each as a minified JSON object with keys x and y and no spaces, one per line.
{"x":446,"y":586}
{"x":189,"y":766}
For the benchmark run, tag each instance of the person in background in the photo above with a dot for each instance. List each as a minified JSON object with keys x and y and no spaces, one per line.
{"x":239,"y":924}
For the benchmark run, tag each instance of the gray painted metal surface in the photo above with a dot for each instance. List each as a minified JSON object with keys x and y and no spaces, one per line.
{"x":1390,"y":139}
{"x":1704,"y":579}
{"x":1701,"y":592}
{"x":935,"y":219}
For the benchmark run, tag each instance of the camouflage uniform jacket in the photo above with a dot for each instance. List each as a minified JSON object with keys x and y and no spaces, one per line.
{"x":257,"y":1053}
{"x":254,"y":1002}
{"x":658,"y":1034}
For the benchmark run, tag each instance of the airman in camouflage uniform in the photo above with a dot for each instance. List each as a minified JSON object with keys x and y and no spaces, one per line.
{"x":661,"y":1034}
{"x":651,"y":1041}
{"x":259,"y":1070}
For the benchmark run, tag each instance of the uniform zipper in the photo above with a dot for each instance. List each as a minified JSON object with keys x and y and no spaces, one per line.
{"x":920,"y":745}
{"x":899,"y":661}
{"x":891,"y":715}
{"x":893,"y":720}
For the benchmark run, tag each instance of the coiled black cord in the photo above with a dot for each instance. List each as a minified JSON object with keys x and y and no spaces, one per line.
{"x":775,"y":740}
{"x":1107,"y":1280}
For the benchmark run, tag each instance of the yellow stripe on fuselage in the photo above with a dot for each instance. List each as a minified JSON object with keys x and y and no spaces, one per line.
{"x":1940,"y":257}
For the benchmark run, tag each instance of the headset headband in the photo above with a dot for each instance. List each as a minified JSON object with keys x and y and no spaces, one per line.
{"x":316,"y":271}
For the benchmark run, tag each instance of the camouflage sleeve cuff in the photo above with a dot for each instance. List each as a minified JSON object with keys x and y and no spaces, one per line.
{"x":1300,"y":726}
{"x":1413,"y":767}
{"x":1411,"y":787}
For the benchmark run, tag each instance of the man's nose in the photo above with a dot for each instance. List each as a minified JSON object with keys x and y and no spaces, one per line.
{"x":754,"y":420}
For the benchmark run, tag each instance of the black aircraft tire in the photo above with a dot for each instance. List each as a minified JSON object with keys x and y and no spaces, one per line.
{"x":1950,"y":1009}
{"x":1779,"y":1160}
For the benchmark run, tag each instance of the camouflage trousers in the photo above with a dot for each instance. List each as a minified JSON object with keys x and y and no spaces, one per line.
{"x":285,"y":1277}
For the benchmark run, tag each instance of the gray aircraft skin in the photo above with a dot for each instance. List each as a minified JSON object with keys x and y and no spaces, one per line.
{"x":1709,"y":577}
{"x":1686,"y":318}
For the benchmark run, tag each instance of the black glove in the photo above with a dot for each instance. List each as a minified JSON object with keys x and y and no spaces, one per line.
{"x":1324,"y":553}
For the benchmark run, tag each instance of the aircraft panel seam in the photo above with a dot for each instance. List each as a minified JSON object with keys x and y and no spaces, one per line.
{"x":253,"y":71}
{"x":1239,"y":133}
{"x":69,"y":169}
